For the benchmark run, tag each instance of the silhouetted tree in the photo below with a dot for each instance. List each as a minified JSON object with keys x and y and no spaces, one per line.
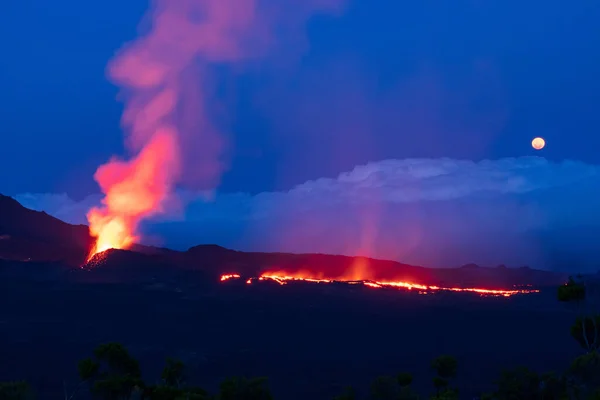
{"x":389,"y":388}
{"x":406,"y":392}
{"x":445,"y":367}
{"x":586,"y":329}
{"x":113,"y":374}
{"x":15,"y":391}
{"x":518,"y":383}
{"x":172,"y":386}
{"x":522,"y":383}
{"x":245,"y":389}
{"x":347,"y":394}
{"x":384,"y":388}
{"x":87,"y":369}
{"x":584,"y":375}
{"x":572,"y":291}
{"x":404,"y":379}
{"x":163,"y":392}
{"x":173,"y":373}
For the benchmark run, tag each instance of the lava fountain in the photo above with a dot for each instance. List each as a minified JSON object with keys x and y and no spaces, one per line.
{"x":165,"y":77}
{"x":134,"y":190}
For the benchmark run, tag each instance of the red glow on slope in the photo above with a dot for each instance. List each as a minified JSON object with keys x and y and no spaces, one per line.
{"x":284,"y":278}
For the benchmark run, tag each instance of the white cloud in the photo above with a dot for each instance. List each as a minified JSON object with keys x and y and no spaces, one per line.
{"x":445,"y":179}
{"x":423,"y":211}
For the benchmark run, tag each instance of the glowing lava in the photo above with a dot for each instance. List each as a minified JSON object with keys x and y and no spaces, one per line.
{"x":228,"y":277}
{"x":111,"y":233}
{"x":283,"y":279}
{"x":134,"y":190}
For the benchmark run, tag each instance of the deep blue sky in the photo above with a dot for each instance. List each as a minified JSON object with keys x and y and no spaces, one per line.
{"x":385,"y":80}
{"x":533,"y":67}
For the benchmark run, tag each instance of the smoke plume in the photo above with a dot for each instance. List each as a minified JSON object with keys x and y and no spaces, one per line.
{"x":167,"y":85}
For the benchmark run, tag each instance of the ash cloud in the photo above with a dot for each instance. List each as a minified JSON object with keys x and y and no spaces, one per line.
{"x":432,"y":212}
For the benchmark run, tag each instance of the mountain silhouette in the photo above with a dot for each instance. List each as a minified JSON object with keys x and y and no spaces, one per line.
{"x":28,"y":236}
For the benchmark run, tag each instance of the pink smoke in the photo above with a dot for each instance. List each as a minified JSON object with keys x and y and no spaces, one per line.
{"x":166,"y":79}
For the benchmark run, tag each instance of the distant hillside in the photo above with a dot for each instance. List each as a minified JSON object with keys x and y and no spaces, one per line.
{"x":27,"y":235}
{"x":251,"y":264}
{"x":33,"y":235}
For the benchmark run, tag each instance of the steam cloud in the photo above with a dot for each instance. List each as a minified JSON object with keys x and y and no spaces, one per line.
{"x":431,"y":212}
{"x":165,"y":75}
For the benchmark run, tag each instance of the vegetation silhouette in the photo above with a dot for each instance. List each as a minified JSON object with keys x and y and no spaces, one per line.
{"x":113,"y":374}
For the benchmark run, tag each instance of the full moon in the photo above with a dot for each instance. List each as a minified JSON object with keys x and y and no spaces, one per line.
{"x":538,"y":143}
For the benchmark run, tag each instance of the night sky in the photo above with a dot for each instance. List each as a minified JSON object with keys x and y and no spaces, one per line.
{"x":394,"y":129}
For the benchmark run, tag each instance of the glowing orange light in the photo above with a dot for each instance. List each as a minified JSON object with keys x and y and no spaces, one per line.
{"x":134,"y":190}
{"x":283,"y":279}
{"x":229,"y":276}
{"x":538,"y":143}
{"x":111,"y":233}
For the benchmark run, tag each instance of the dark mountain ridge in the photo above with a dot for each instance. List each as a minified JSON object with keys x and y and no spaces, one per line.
{"x":28,"y":236}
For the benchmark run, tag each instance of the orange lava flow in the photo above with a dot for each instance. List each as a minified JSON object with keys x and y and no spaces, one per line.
{"x":283,"y":279}
{"x":229,"y":276}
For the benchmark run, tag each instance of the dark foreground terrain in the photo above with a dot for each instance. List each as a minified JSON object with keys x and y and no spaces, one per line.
{"x":311,"y":340}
